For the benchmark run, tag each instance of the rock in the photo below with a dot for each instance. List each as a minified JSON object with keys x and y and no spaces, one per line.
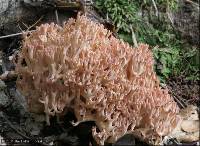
{"x":192,"y":137}
{"x":4,"y":5}
{"x":4,"y":100}
{"x":125,"y":140}
{"x":2,"y":85}
{"x":20,"y":102}
{"x":188,"y":129}
{"x":189,"y":113}
{"x":190,"y":126}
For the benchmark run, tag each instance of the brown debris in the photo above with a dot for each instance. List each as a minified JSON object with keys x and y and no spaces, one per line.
{"x":183,"y":89}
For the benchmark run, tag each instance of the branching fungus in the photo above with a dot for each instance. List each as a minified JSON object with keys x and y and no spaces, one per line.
{"x":82,"y":66}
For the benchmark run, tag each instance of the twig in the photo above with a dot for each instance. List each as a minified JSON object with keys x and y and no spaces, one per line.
{"x":134,"y":37}
{"x":29,"y":27}
{"x":25,"y":25}
{"x":57,"y":19}
{"x":107,"y":18}
{"x":18,"y":25}
{"x":35,"y":23}
{"x":179,"y":102}
{"x":11,"y":35}
{"x":156,"y":9}
{"x":168,"y":15}
{"x":15,"y":34}
{"x":170,"y":18}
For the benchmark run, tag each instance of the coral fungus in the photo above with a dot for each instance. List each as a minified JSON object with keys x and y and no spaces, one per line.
{"x":82,"y":66}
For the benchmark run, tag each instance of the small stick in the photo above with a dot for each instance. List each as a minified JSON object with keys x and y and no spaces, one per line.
{"x":154,"y":4}
{"x":180,"y":102}
{"x":29,"y":27}
{"x":20,"y":27}
{"x":35,"y":23}
{"x":15,"y":34}
{"x":134,"y":37}
{"x":57,"y":19}
{"x":11,"y":35}
{"x":25,"y":25}
{"x":20,"y":33}
{"x":170,"y":18}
